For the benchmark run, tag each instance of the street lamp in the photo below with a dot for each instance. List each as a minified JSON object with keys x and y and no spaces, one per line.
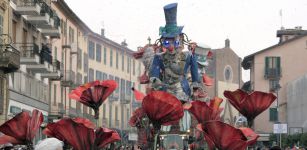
{"x":276,"y":89}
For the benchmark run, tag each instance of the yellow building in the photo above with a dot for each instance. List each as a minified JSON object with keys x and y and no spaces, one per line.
{"x":88,"y":56}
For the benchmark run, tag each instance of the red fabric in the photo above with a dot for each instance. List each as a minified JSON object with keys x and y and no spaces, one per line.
{"x":250,"y":105}
{"x":204,"y":112}
{"x":207,"y":80}
{"x":136,"y":117}
{"x":79,"y":136}
{"x":162,"y":108}
{"x":223,"y":136}
{"x":139,"y":96}
{"x":22,"y":128}
{"x":93,"y":94}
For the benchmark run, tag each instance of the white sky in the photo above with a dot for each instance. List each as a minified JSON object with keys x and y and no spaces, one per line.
{"x":250,"y":25}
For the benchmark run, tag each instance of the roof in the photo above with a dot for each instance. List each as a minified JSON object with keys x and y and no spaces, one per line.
{"x":247,"y":59}
{"x":66,"y":9}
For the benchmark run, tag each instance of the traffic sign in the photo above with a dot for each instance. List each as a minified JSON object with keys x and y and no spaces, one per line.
{"x":281,"y":128}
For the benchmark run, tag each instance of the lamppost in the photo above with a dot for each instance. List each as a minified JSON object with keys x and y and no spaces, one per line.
{"x":276,"y":89}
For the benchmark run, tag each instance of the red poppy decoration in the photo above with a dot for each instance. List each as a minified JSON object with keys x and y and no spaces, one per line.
{"x":223,"y":136}
{"x":139,"y":96}
{"x":136,"y":117}
{"x":79,"y":136}
{"x":93,"y":94}
{"x":22,"y":128}
{"x":162,"y":108}
{"x":204,"y":112}
{"x":250,"y":105}
{"x":207,"y":80}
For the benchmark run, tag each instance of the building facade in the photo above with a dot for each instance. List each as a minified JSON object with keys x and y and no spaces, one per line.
{"x":46,"y":51}
{"x":273,"y":70}
{"x":224,"y":67}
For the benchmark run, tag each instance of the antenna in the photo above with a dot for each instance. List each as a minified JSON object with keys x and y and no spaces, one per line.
{"x":280,"y":14}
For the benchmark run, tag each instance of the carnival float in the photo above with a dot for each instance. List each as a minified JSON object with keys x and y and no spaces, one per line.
{"x":175,"y":81}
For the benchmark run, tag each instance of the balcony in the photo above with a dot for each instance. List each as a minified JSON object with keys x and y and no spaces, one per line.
{"x":68,"y":79}
{"x":35,"y":60}
{"x":56,"y":73}
{"x":272,"y":73}
{"x":9,"y":55}
{"x":30,"y":86}
{"x":53,"y":29}
{"x":56,"y":112}
{"x":45,"y":20}
{"x":27,"y":7}
{"x":90,"y":117}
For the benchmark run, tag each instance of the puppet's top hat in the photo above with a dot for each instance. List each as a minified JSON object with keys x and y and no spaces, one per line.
{"x":170,"y":29}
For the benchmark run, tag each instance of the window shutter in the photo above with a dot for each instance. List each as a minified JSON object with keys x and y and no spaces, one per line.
{"x":266,"y":65}
{"x":278,"y":65}
{"x":273,"y":114}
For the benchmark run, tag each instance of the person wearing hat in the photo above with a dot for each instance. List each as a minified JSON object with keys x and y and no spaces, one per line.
{"x":170,"y":66}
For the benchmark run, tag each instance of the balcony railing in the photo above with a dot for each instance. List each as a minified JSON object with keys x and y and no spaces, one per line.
{"x":30,"y":86}
{"x":26,"y":2}
{"x":272,"y":73}
{"x":57,"y":65}
{"x":29,"y":50}
{"x":125,"y":99}
{"x":9,"y":55}
{"x":68,"y":79}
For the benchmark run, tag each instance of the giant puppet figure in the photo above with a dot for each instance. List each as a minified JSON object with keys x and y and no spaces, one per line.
{"x":173,"y":70}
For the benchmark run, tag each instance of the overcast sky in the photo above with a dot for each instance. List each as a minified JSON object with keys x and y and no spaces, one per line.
{"x":249,"y":24}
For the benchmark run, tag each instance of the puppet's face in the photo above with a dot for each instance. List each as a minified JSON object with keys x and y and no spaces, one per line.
{"x":172,"y":45}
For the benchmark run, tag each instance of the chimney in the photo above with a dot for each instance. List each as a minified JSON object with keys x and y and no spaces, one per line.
{"x":124,"y":43}
{"x":102,"y":32}
{"x":227,"y":43}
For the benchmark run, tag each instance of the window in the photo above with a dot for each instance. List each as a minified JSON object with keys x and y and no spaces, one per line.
{"x":139,"y":68}
{"x":122,"y":89}
{"x":111,"y":57}
{"x":128,"y":64}
{"x":273,"y":85}
{"x":79,"y":58}
{"x":116,"y":113}
{"x":98,"y":75}
{"x":272,"y":67}
{"x":91,"y":75}
{"x":133,"y":66}
{"x":105,"y":55}
{"x":123,"y":61}
{"x":85,"y":63}
{"x":1,"y":94}
{"x":71,"y":34}
{"x":14,"y":31}
{"x":98,"y":52}
{"x":128,"y":89}
{"x":91,"y":50}
{"x":15,"y":110}
{"x":79,"y":78}
{"x":116,"y":59}
{"x":110,"y":115}
{"x":117,"y":81}
{"x":105,"y":76}
{"x":54,"y":94}
{"x":1,"y":24}
{"x":104,"y":111}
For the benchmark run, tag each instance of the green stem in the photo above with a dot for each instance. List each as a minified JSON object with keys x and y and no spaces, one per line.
{"x":155,"y":144}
